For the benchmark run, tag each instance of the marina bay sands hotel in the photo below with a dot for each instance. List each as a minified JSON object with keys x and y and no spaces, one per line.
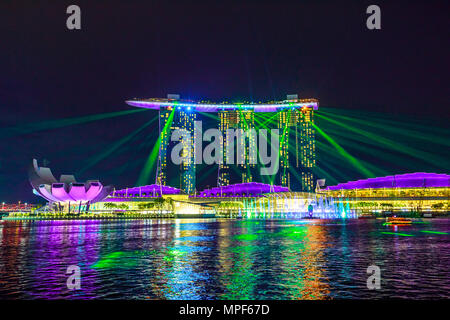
{"x":292,"y":117}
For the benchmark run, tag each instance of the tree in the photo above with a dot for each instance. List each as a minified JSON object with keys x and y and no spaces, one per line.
{"x":159,"y":203}
{"x":109,"y":205}
{"x":170,"y":202}
{"x":386,"y":205}
{"x":438,"y":205}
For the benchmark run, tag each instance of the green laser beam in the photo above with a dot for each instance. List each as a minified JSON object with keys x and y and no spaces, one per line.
{"x":54,"y":124}
{"x":379,"y":140}
{"x":374,"y":151}
{"x":331,"y":152}
{"x":436,"y":232}
{"x":115,"y":146}
{"x":344,"y":153}
{"x":425,"y":124}
{"x":393,"y":128}
{"x":148,"y":166}
{"x":399,"y":234}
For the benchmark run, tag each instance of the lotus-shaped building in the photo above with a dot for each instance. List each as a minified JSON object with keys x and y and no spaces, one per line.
{"x":67,"y":189}
{"x":248,"y":189}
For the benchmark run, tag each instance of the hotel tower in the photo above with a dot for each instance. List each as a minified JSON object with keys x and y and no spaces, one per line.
{"x":294,"y":121}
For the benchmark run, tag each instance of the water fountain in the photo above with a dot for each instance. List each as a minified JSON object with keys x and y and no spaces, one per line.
{"x":296,"y":207}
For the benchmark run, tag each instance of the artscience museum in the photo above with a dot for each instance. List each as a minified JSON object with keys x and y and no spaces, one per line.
{"x":67,"y":189}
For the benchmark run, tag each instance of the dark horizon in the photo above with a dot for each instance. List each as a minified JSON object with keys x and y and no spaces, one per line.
{"x":235,"y":51}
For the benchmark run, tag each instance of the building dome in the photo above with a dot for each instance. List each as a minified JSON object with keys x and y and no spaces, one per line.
{"x":148,"y":191}
{"x":242,"y":190}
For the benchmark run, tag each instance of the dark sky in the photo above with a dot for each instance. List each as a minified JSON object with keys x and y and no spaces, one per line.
{"x":256,"y":50}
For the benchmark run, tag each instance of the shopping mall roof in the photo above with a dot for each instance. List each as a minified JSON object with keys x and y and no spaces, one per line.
{"x":152,"y":190}
{"x":408,"y":180}
{"x":206,"y":106}
{"x":242,"y":189}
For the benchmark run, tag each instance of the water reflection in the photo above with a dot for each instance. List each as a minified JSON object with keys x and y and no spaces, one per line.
{"x":222,"y":259}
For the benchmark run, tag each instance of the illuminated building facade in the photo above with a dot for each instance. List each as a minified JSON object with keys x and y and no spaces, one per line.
{"x":172,"y":118}
{"x":244,"y":121}
{"x":66,"y":192}
{"x":406,"y":192}
{"x":225,"y":120}
{"x":165,"y":119}
{"x":184,"y":120}
{"x":295,"y":125}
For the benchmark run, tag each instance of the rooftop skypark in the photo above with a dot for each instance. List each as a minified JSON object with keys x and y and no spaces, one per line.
{"x":206,"y":106}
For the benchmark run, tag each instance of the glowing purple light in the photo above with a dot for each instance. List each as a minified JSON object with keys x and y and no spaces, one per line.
{"x":66,"y":189}
{"x":242,"y":189}
{"x":148,"y":191}
{"x":214,"y":107}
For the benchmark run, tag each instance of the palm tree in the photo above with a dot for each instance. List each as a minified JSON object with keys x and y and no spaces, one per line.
{"x":159,"y":203}
{"x":438,"y":205}
{"x":109,"y":205}
{"x":171,"y":204}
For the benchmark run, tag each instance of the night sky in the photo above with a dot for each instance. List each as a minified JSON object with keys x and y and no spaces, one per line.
{"x":234,"y":51}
